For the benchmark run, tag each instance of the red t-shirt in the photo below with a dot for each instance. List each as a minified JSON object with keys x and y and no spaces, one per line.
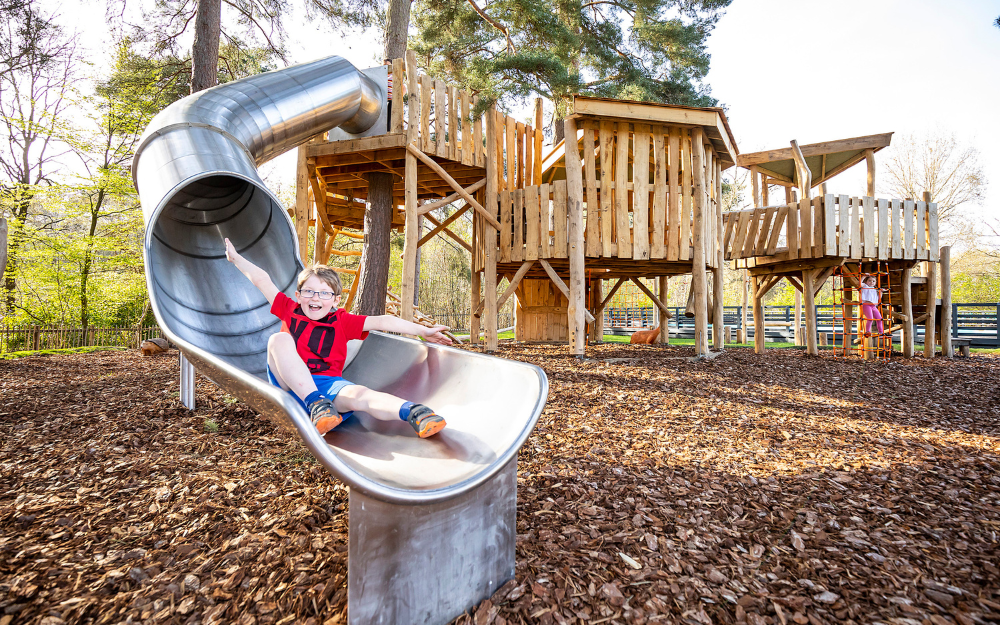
{"x":322,"y":344}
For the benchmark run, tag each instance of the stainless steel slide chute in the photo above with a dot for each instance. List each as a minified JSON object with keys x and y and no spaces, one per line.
{"x":447,"y":502}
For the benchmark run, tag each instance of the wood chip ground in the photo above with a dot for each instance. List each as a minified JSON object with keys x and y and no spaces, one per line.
{"x":769,"y":489}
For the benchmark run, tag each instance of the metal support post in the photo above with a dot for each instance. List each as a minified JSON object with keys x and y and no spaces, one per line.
{"x":187,"y":382}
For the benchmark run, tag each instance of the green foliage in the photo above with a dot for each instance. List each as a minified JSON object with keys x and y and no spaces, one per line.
{"x":631,"y":49}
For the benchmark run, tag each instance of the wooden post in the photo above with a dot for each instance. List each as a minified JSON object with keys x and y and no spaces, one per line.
{"x":718,"y":316}
{"x":930,"y":340}
{"x":798,"y":319}
{"x":408,"y":282}
{"x":597,"y":295}
{"x":870,"y":159}
{"x":664,"y":320}
{"x":809,"y":290}
{"x":758,"y":315}
{"x":743,"y":334}
{"x":907,"y":345}
{"x":698,"y":273}
{"x":320,"y":238}
{"x":476,"y":288}
{"x":804,"y":173}
{"x":755,"y":178}
{"x":489,"y":241}
{"x":574,"y":194}
{"x":947,"y":350}
{"x":302,"y":204}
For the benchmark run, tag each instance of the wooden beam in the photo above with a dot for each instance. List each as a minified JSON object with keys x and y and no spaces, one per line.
{"x":440,"y":227}
{"x":487,"y":236}
{"x":804,"y":174}
{"x":611,"y":294}
{"x":511,"y":287}
{"x":947,"y":350}
{"x":759,"y":290}
{"x":908,"y":322}
{"x":656,"y":300}
{"x":664,"y":337}
{"x":561,"y":285}
{"x":443,"y":224}
{"x":930,"y":340}
{"x":426,"y":160}
{"x":454,"y":197}
{"x":870,"y":158}
{"x":698,"y":265}
{"x":808,"y":292}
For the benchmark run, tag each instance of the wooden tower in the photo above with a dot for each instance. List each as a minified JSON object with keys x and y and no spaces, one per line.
{"x":806,"y":239}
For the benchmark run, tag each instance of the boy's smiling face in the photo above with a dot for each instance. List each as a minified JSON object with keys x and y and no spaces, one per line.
{"x":314,"y":307}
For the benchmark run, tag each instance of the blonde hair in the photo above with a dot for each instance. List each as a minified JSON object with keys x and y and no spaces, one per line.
{"x":324,"y":273}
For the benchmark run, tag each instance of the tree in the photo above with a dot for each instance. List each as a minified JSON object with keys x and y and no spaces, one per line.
{"x":631,"y":49}
{"x":937,"y":163}
{"x":35,"y":99}
{"x":373,"y":274}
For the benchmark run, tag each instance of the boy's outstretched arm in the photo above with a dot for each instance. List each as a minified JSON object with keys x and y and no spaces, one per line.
{"x":255,"y":274}
{"x":388,"y":323}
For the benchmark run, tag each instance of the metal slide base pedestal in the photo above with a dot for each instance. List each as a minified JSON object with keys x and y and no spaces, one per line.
{"x":430,"y":563}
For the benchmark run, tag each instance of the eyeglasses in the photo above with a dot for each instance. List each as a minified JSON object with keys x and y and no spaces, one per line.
{"x":308,"y":293}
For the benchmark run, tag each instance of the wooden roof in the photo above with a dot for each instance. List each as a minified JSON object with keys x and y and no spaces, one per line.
{"x":712,"y":119}
{"x":825,"y":160}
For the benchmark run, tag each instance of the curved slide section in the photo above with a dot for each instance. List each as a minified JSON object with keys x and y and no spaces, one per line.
{"x":196,"y":172}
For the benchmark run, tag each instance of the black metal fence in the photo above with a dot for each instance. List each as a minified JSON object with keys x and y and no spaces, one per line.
{"x":975,"y":321}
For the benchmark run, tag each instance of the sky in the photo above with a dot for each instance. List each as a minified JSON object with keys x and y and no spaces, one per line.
{"x":790,"y":69}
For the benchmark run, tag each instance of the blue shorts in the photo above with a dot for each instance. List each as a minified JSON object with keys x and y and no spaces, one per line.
{"x":328,"y":386}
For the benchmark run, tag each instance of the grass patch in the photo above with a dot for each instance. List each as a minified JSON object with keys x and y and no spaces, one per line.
{"x":211,"y":426}
{"x":56,"y":352}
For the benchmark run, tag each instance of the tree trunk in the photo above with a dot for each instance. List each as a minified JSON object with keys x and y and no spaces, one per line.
{"x":205,"y":49}
{"x":88,"y":261}
{"x":373,"y":272}
{"x":16,"y":234}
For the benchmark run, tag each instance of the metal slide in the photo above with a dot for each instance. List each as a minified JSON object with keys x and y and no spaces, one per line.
{"x":196,"y":172}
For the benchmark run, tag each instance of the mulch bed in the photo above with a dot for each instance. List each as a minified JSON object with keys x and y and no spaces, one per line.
{"x":769,"y":489}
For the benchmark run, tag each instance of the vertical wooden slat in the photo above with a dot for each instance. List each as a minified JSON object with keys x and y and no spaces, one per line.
{"x":531,"y":221}
{"x":819,"y":226}
{"x":559,"y":223}
{"x":684,"y":241}
{"x":806,"y":232}
{"x":519,"y":142}
{"x":413,"y":104}
{"x":452,"y":132}
{"x":544,"y":219}
{"x":467,"y":153}
{"x":498,"y":147}
{"x":933,"y":252}
{"x":659,"y":247}
{"x":673,"y":195}
{"x":857,"y":243}
{"x":623,"y":230}
{"x":425,"y":115}
{"x":699,"y":278}
{"x":895,"y":225}
{"x":518,"y":251}
{"x":512,"y":163}
{"x":398,"y":84}
{"x":590,"y":183}
{"x":750,"y":240}
{"x":607,"y":131}
{"x":640,"y":196}
{"x":302,"y":204}
{"x":765,"y":230}
{"x":479,"y":154}
{"x":920,"y":231}
{"x":844,"y":229}
{"x":539,"y":123}
{"x":883,"y":229}
{"x":869,"y":234}
{"x":410,"y":238}
{"x":830,"y":232}
{"x":909,"y":247}
{"x":505,"y":226}
{"x":529,"y":156}
{"x":741,"y":232}
{"x":792,"y":230}
{"x":440,"y":119}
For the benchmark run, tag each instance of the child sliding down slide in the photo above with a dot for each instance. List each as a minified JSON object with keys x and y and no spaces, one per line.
{"x":307,"y":358}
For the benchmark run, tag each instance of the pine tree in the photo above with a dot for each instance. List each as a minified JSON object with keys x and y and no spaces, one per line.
{"x":652,"y":50}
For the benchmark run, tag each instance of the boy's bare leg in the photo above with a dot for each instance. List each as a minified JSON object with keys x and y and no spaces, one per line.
{"x":382,"y":406}
{"x":286,"y":365}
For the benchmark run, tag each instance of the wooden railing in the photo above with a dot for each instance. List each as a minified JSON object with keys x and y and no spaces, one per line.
{"x":834,"y":225}
{"x":438,"y":119}
{"x":35,"y":338}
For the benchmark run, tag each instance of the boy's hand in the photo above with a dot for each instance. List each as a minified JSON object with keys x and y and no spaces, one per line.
{"x":231,"y":254}
{"x":435,"y":334}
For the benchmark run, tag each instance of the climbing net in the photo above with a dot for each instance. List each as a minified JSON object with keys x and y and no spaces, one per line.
{"x":856,"y":333}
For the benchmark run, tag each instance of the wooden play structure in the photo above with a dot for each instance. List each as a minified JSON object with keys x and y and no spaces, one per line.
{"x":637,"y":197}
{"x":809,"y":238}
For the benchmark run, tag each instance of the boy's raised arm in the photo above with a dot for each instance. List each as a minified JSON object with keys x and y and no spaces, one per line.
{"x":389,"y":323}
{"x":255,"y":274}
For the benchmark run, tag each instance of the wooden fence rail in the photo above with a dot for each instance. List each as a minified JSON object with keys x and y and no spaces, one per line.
{"x":34,"y":338}
{"x":834,"y":225}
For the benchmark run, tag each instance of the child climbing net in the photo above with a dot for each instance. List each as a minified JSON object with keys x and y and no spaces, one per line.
{"x":861,"y":297}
